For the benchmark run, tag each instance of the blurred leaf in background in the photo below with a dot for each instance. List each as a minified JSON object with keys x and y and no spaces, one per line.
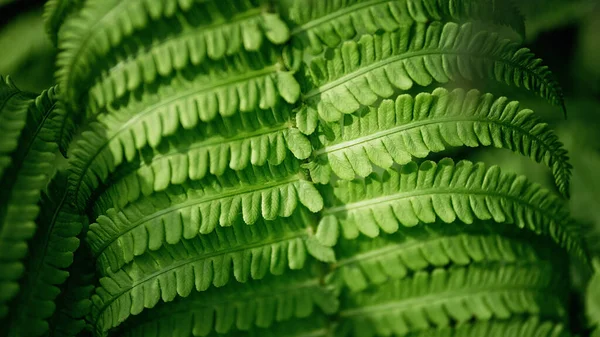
{"x":27,"y":53}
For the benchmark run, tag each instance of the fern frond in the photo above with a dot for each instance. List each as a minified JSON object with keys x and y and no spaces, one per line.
{"x":117,"y":136}
{"x":74,"y":304}
{"x":327,"y":23}
{"x":63,"y":126}
{"x":516,"y":326}
{"x":50,"y":254}
{"x":365,"y":261}
{"x":13,"y":115}
{"x":188,"y":48}
{"x":258,"y":139}
{"x":186,"y":211}
{"x":359,"y":73}
{"x":258,"y":303}
{"x":101,"y":40}
{"x":424,"y":193}
{"x":22,"y":182}
{"x":248,"y":251}
{"x":444,"y":296}
{"x":55,"y":14}
{"x":408,"y":127}
{"x":242,"y":82}
{"x":179,"y":325}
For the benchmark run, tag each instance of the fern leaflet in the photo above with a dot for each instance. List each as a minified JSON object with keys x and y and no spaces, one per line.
{"x":410,"y":127}
{"x":449,"y":192}
{"x":359,"y":73}
{"x":443,"y":296}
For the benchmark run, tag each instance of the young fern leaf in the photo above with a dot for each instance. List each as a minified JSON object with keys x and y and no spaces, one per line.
{"x":364,"y":261}
{"x":21,"y":184}
{"x":443,"y":296}
{"x":257,"y":139}
{"x":146,"y":120}
{"x":327,"y":23}
{"x":417,"y":194}
{"x":74,"y":304}
{"x":182,"y":324}
{"x":516,"y":326}
{"x":106,"y":33}
{"x":14,"y":105}
{"x":186,"y":211}
{"x":408,"y":127}
{"x":359,"y":73}
{"x":50,"y":254}
{"x":258,"y":303}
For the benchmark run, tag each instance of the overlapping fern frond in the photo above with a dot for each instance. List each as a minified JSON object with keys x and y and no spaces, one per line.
{"x":443,"y":296}
{"x":50,"y":254}
{"x":74,"y":304}
{"x":257,"y":139}
{"x":361,"y":72}
{"x":197,"y":208}
{"x":204,"y":29}
{"x":259,"y":303}
{"x":408,"y":127}
{"x":365,"y":261}
{"x":22,"y":182}
{"x":321,"y":24}
{"x":464,"y":191}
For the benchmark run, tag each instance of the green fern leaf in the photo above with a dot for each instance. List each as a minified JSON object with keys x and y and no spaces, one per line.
{"x":449,"y":192}
{"x":364,"y":261}
{"x":21,"y":184}
{"x":518,"y":326}
{"x":266,"y":137}
{"x":247,"y":251}
{"x":104,"y":30}
{"x":74,"y":304}
{"x":182,"y":323}
{"x":295,"y":294}
{"x":186,"y":211}
{"x":444,"y":296}
{"x":13,"y":115}
{"x":242,"y":82}
{"x":55,"y":14}
{"x":327,"y":23}
{"x":63,"y":126}
{"x":189,"y":48}
{"x":359,"y":73}
{"x":408,"y":127}
{"x":50,"y":254}
{"x":116,"y":137}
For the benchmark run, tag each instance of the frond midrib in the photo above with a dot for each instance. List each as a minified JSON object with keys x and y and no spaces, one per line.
{"x":352,"y":206}
{"x":432,"y":120}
